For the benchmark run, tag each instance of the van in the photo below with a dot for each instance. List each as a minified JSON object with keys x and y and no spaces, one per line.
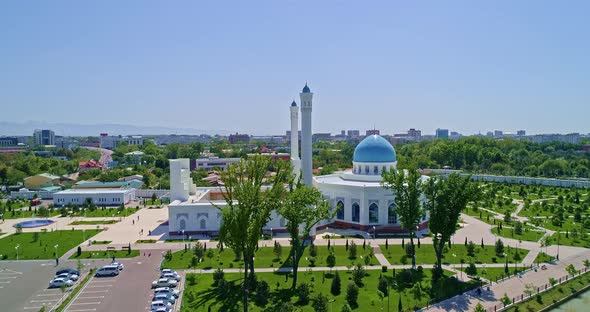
{"x":109,"y":270}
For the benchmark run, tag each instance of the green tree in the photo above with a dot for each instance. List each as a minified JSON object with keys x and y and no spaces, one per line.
{"x":248,"y":207}
{"x":303,"y":207}
{"x":406,"y":187}
{"x":336,"y":285}
{"x":331,"y":260}
{"x":277,"y":250}
{"x":303,"y":292}
{"x":479,"y":308}
{"x":358,"y":273}
{"x":352,"y":294}
{"x":352,"y":250}
{"x":518,"y":228}
{"x":499,"y":247}
{"x":320,"y":303}
{"x":445,"y":199}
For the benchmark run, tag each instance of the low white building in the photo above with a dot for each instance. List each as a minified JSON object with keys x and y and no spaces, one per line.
{"x":100,"y":197}
{"x":211,"y":163}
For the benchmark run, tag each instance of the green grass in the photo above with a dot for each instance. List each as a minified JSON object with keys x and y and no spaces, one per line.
{"x":425,"y":255}
{"x":543,"y":258}
{"x":25,"y":213}
{"x":94,"y":242}
{"x":44,"y":247}
{"x":494,"y":274}
{"x":146,"y":241}
{"x":76,"y":290}
{"x":567,"y":225}
{"x":108,"y":212}
{"x":579,"y":241}
{"x":528,"y":233}
{"x":93,"y":222}
{"x":202,"y":295}
{"x":553,"y":295}
{"x":106,"y":254}
{"x":480,"y":214}
{"x":265,"y":258}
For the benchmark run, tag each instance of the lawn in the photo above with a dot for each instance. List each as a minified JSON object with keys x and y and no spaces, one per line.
{"x":425,"y":255}
{"x":93,"y":222}
{"x":568,"y":224}
{"x":553,"y":295}
{"x":102,"y":254}
{"x":146,"y":241}
{"x":94,"y":242}
{"x":201,"y":295}
{"x":107,"y":212}
{"x":480,"y":214}
{"x":543,"y":258}
{"x":41,"y":245}
{"x":25,"y":213}
{"x":494,"y":274}
{"x":577,"y":241}
{"x":265,"y":258}
{"x":528,"y":233}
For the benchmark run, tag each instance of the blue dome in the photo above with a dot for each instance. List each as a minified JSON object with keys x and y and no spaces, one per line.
{"x":374,"y":148}
{"x":306,"y":89}
{"x":293,"y":104}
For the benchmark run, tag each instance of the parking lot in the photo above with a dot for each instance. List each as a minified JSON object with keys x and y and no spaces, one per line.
{"x":129,"y":291}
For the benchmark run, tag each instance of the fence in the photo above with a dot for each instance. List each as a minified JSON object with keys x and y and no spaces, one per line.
{"x":539,"y":290}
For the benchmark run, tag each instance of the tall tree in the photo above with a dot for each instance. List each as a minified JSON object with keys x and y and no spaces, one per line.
{"x":248,"y":207}
{"x":406,"y":186}
{"x":445,"y":199}
{"x":303,"y":208}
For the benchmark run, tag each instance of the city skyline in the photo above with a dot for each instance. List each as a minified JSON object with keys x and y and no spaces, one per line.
{"x":467,"y":67}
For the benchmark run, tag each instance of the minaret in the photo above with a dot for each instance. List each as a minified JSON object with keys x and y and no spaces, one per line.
{"x":295,"y":161}
{"x":306,"y":163}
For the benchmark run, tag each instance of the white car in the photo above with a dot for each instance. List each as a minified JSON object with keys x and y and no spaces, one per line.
{"x":158,"y":305}
{"x":164,"y":282}
{"x":168,"y":271}
{"x":119,"y":265}
{"x":72,"y":277}
{"x":164,"y":297}
{"x":172,"y":276}
{"x":59,"y":282}
{"x":167,"y":290}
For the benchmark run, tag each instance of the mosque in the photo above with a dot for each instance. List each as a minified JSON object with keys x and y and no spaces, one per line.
{"x":363,"y":204}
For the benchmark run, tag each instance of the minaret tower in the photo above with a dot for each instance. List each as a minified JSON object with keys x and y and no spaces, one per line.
{"x":306,"y":164}
{"x":295,"y":161}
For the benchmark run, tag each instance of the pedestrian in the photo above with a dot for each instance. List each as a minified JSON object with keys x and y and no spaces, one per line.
{"x":56,"y":261}
{"x":133,"y":222}
{"x":113,"y":258}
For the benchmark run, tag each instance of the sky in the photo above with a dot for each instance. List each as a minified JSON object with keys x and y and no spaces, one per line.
{"x":468,"y":66}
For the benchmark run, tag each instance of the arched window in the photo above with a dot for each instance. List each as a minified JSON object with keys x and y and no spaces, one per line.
{"x":384,"y":169}
{"x":375,"y":170}
{"x":340,"y":210}
{"x":203,"y":224}
{"x":367,"y":169}
{"x":391,"y":215}
{"x":373,"y":213}
{"x":182,"y":224}
{"x":356,"y":212}
{"x":282,"y":222}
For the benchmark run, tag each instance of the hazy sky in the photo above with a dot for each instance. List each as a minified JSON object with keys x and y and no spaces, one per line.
{"x":465,"y":65}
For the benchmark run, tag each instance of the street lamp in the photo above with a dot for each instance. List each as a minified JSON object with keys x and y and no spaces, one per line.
{"x":270,"y":233}
{"x":330,"y":302}
{"x":374,"y":232}
{"x":56,"y":250}
{"x":16,"y":247}
{"x":182,"y":231}
{"x":454,"y":262}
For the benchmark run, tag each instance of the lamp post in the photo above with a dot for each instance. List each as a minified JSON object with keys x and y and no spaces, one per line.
{"x":182,"y":231}
{"x":16,"y":247}
{"x":56,"y":251}
{"x":454,"y":262}
{"x":330,"y":302}
{"x":270,"y":233}
{"x":374,"y":232}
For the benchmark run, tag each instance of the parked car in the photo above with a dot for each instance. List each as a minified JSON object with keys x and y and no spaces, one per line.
{"x":162,"y":309}
{"x":168,"y":271}
{"x":59,"y":282}
{"x":167,"y":290}
{"x":119,"y":265}
{"x":164,"y":282}
{"x":173,"y":276}
{"x":164,"y":297}
{"x":69,"y":271}
{"x":159,"y":305}
{"x":72,"y":277}
{"x":108,"y":270}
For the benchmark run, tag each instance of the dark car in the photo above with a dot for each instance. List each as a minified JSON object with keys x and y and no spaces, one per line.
{"x":69,"y":271}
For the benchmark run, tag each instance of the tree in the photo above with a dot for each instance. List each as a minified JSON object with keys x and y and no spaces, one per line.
{"x":383,"y":286}
{"x":399,"y":304}
{"x":199,"y":251}
{"x":571,"y":270}
{"x":505,"y":300}
{"x":336,"y":284}
{"x":154,"y":198}
{"x":358,"y":273}
{"x":471,"y":249}
{"x":248,"y":207}
{"x":479,"y":308}
{"x":320,"y":303}
{"x":518,"y":228}
{"x":587,"y":264}
{"x":471,"y":269}
{"x":303,"y":207}
{"x":352,"y":294}
{"x":406,"y":186}
{"x":352,"y":250}
{"x":277,"y":250}
{"x":303,"y":293}
{"x":499,"y":247}
{"x":445,"y":199}
{"x":262,"y":293}
{"x":78,"y":251}
{"x":331,"y":260}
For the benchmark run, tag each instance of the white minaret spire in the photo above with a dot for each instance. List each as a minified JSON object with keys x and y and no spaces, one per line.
{"x":295,"y":161}
{"x":306,"y":163}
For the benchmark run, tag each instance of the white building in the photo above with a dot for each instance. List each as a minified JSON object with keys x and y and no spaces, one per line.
{"x":100,"y":197}
{"x":211,"y":163}
{"x":110,"y":142}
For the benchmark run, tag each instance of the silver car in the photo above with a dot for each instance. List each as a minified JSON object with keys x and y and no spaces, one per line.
{"x":164,"y":297}
{"x":72,"y":277}
{"x":60,"y":282}
{"x":167,"y":290}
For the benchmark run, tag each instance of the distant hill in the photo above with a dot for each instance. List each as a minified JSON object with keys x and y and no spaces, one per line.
{"x":67,"y":129}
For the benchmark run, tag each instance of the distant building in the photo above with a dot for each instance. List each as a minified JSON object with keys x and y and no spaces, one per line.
{"x":238,"y":138}
{"x":89,"y":165}
{"x":498,"y":133}
{"x":66,"y":143}
{"x":352,"y":134}
{"x":134,"y":157}
{"x":442,"y":133}
{"x":44,"y":137}
{"x":110,"y":142}
{"x":321,"y":136}
{"x":271,"y":139}
{"x":99,"y":197}
{"x":455,"y":135}
{"x":135,"y":184}
{"x":372,"y":132}
{"x":40,"y":181}
{"x":8,"y":141}
{"x":181,"y":139}
{"x":572,"y":138}
{"x":414,"y":134}
{"x":212,"y":163}
{"x":521,"y":133}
